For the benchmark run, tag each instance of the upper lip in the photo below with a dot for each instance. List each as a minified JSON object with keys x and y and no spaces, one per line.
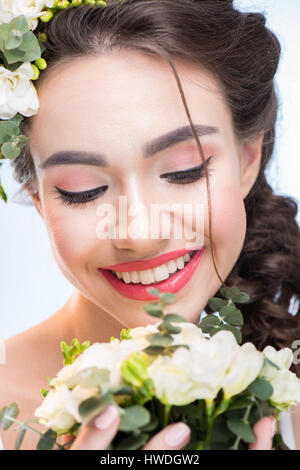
{"x":140,"y":265}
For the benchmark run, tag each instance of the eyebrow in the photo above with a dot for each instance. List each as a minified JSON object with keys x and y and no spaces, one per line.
{"x":78,"y":157}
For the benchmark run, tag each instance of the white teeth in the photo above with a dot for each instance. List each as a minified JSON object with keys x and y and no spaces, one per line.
{"x":160,"y":273}
{"x":134,"y":277}
{"x":147,"y":276}
{"x":126,"y":277}
{"x":180,"y":262}
{"x":172,"y":266}
{"x":186,"y":257}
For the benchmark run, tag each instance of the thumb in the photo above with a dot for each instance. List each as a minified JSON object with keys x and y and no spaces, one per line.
{"x":98,"y":433}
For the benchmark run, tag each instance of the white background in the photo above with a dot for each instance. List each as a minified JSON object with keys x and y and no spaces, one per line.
{"x":31,"y":286}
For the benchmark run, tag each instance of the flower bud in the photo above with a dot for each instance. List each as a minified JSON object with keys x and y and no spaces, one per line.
{"x":76,"y":3}
{"x":42,"y":37}
{"x":46,"y":16}
{"x":90,"y":2}
{"x":62,"y":4}
{"x":36,"y":72}
{"x":102,"y":3}
{"x":40,"y":63}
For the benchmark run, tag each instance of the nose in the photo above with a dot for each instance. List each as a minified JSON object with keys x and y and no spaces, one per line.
{"x":138,"y":230}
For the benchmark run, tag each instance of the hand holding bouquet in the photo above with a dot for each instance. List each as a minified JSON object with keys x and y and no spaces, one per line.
{"x":168,"y":372}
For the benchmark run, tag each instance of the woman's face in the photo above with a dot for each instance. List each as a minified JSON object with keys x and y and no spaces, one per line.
{"x":110,"y":108}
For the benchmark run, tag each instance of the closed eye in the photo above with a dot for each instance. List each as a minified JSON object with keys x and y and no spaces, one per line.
{"x":186,"y":176}
{"x":79,"y":199}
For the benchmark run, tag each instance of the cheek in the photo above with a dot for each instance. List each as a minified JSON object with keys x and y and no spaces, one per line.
{"x":72,"y":235}
{"x":228,"y":222}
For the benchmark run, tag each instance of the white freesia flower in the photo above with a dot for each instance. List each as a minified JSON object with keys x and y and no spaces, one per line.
{"x":196,"y":373}
{"x":32,"y":9}
{"x":101,"y":356}
{"x":17,"y":92}
{"x":173,"y":379}
{"x":243,"y":370}
{"x":286,"y":385}
{"x":59,"y":409}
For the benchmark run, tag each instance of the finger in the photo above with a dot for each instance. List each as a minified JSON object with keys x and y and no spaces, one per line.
{"x":264,"y":431}
{"x":65,"y":438}
{"x":174,"y":436}
{"x":97,"y":433}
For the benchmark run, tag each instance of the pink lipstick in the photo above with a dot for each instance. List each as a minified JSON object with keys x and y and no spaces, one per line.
{"x":138,"y":291}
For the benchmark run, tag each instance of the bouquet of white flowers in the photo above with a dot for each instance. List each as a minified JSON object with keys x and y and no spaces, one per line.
{"x":168,"y":372}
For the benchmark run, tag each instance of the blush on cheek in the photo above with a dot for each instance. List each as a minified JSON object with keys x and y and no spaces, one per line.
{"x":228,"y":225}
{"x":70,"y":237}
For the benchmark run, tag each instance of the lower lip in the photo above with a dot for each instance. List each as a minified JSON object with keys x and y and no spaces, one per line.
{"x":172,"y":284}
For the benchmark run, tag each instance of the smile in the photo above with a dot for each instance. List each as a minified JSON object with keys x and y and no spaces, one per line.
{"x":168,"y":277}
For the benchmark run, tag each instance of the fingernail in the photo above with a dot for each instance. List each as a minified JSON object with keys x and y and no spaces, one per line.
{"x":177,"y":434}
{"x":106,"y":418}
{"x":273,"y":424}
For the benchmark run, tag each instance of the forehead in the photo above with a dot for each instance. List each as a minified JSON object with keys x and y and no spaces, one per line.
{"x":88,"y":100}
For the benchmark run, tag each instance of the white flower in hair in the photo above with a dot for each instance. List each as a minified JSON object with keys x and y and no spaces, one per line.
{"x":32,"y":9}
{"x":17,"y":92}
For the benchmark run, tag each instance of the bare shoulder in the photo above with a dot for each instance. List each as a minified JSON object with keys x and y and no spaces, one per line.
{"x":30,"y":357}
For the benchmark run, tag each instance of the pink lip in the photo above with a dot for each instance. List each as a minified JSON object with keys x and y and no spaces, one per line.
{"x":172,"y":284}
{"x":149,"y":263}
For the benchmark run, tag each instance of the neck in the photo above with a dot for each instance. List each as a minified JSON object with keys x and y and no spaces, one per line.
{"x":82,"y":319}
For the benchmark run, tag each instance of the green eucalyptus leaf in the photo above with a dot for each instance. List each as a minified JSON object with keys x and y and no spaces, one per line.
{"x":47,"y":441}
{"x":8,"y":128}
{"x":171,"y":329}
{"x":154,"y":309}
{"x":132,"y":442}
{"x":92,"y":406}
{"x":231,"y":328}
{"x":157,"y":339}
{"x":168,"y":298}
{"x":11,"y":410}
{"x":154,"y":291}
{"x":210,"y":320}
{"x":154,"y":350}
{"x":173,"y":317}
{"x":151,"y":426}
{"x":19,"y":23}
{"x":216,"y":304}
{"x":232,"y":315}
{"x":10,"y":150}
{"x":176,"y":346}
{"x":13,"y":40}
{"x":240,"y":402}
{"x":234,"y":294}
{"x":123,"y":390}
{"x":261,"y":388}
{"x":135,"y":416}
{"x":241,"y":429}
{"x":20,"y":437}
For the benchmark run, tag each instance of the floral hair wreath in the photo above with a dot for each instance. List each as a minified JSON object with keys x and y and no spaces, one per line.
{"x":21,"y":60}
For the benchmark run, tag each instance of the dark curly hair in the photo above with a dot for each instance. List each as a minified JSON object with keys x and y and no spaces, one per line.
{"x":243,"y":55}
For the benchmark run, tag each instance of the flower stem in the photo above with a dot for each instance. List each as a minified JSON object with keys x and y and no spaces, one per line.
{"x":24,"y":425}
{"x":245,"y":420}
{"x":167,"y":411}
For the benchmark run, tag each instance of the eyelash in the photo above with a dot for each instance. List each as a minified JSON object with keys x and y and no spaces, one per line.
{"x":187,"y":176}
{"x":80,"y":199}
